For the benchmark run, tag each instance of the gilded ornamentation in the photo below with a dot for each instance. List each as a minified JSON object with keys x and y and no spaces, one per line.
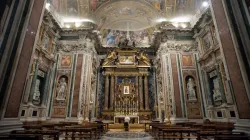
{"x":143,"y":57}
{"x":112,"y":56}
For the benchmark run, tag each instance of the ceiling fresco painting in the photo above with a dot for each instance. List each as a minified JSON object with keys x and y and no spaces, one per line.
{"x":125,"y":15}
{"x":111,"y":38}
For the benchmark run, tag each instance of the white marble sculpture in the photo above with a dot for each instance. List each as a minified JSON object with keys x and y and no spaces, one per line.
{"x":61,"y":90}
{"x":36,"y":95}
{"x":191,"y":89}
{"x":216,"y":91}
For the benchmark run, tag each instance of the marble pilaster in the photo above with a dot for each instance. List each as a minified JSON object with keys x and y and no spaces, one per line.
{"x":141,"y":93}
{"x":146,"y":92}
{"x":106,"y":102}
{"x":112,"y":87}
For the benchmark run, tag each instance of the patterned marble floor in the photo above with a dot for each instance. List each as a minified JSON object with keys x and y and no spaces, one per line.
{"x":126,"y":136}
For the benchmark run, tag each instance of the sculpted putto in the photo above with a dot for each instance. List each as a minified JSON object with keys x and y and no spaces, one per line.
{"x":110,"y":58}
{"x":142,"y":57}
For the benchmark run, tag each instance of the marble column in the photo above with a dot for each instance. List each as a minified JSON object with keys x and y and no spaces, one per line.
{"x":146,"y":92}
{"x":112,"y":88}
{"x":106,"y":101}
{"x":141,"y":93}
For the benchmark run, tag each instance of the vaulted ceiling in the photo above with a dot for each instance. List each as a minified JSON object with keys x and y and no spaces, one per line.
{"x":126,"y":15}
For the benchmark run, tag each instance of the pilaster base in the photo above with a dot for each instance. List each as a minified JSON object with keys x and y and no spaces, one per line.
{"x":10,"y":125}
{"x":242,"y":125}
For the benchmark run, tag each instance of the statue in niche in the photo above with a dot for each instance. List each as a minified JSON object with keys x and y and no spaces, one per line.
{"x":61,"y":90}
{"x":36,"y":95}
{"x":217,"y":94}
{"x":191,"y":89}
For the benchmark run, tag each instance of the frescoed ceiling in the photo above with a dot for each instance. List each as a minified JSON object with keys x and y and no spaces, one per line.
{"x":125,"y":15}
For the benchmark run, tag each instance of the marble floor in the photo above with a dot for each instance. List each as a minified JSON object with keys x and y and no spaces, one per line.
{"x":126,"y":136}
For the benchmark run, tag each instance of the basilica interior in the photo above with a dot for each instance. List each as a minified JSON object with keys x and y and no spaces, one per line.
{"x":175,"y":67}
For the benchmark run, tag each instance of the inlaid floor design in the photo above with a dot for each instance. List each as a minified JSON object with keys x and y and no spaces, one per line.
{"x":126,"y":136}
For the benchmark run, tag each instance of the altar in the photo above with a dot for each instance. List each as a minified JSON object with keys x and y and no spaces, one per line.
{"x":120,"y":119}
{"x":126,"y":85}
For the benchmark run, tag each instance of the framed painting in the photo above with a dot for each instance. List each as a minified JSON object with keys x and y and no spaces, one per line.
{"x":126,"y":90}
{"x":127,"y":59}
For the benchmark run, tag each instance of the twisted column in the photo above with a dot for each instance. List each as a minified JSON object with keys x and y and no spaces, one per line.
{"x":106,"y":93}
{"x":146,"y":92}
{"x":141,"y":92}
{"x":112,"y":91}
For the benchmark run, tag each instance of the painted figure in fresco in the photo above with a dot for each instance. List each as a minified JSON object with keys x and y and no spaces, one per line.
{"x":117,"y":37}
{"x":72,"y":8}
{"x":93,"y":4}
{"x":191,"y":89}
{"x":181,"y":6}
{"x":61,"y":90}
{"x":216,"y":90}
{"x":111,"y":38}
{"x":36,"y":96}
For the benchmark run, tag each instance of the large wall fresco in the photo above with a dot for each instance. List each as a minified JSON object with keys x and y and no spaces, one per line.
{"x":111,"y":38}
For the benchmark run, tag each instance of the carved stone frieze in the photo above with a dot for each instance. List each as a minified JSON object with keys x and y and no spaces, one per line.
{"x":87,"y":47}
{"x":172,"y":46}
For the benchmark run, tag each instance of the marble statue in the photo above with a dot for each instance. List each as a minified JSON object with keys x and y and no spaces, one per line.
{"x":61,"y":90}
{"x":216,"y":91}
{"x":191,"y":89}
{"x":36,"y":95}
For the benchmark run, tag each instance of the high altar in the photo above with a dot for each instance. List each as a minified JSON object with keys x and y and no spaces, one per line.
{"x":126,"y":85}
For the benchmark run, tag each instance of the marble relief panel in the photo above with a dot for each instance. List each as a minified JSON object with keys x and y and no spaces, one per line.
{"x":207,"y":41}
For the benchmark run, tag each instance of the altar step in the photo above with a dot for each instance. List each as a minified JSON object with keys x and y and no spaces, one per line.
{"x":121,"y":126}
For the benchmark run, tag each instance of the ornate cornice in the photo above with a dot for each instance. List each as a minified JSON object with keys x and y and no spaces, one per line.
{"x":165,"y":47}
{"x":87,"y":47}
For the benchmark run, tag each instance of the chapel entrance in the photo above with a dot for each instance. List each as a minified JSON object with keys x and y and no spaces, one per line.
{"x":126,"y":86}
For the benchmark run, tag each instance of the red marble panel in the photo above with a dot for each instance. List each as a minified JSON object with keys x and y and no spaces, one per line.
{"x":187,"y":60}
{"x":176,"y":86}
{"x":231,"y":60}
{"x":24,"y":61}
{"x":77,"y":86}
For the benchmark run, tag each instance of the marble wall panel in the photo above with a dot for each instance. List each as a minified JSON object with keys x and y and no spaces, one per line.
{"x":177,"y":92}
{"x":227,"y":46}
{"x":75,"y":102}
{"x":13,"y":105}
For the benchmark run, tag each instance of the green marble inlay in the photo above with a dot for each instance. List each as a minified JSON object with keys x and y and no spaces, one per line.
{"x":182,"y":87}
{"x":198,"y":73}
{"x":71,"y":86}
{"x":53,"y":85}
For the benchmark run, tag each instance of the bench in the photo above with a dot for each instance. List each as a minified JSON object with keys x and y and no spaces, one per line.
{"x":21,"y":137}
{"x":51,"y":133}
